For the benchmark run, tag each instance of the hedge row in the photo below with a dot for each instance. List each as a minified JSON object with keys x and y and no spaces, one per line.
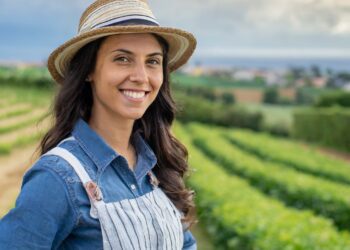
{"x":327,"y":126}
{"x":300,"y":190}
{"x":198,"y":109}
{"x":291,"y":154}
{"x":26,"y":77}
{"x":340,"y":98}
{"x":205,"y":92}
{"x":240,"y":217}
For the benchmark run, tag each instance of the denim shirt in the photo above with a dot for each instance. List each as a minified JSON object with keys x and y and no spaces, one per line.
{"x":53,"y":210}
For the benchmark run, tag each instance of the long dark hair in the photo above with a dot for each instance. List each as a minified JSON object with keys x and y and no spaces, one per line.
{"x":74,"y":100}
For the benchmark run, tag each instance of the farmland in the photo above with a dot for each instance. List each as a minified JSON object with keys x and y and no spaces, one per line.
{"x":253,"y":190}
{"x":250,"y":202}
{"x":22,"y":123}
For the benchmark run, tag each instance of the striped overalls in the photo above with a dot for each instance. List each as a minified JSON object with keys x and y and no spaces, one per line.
{"x":150,"y":221}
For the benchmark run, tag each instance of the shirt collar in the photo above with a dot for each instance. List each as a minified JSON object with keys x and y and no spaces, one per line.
{"x":102,"y":154}
{"x":146,"y":158}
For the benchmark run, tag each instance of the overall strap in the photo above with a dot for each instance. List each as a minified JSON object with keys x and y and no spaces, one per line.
{"x":73,"y":161}
{"x":71,"y":138}
{"x":91,"y":188}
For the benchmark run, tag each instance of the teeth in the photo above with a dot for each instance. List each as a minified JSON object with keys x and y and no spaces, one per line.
{"x":134,"y":94}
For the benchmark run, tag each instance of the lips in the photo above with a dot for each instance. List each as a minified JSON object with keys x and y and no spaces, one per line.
{"x":134,"y":94}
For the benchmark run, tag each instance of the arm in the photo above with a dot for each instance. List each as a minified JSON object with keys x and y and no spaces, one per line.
{"x":43,"y":216}
{"x":189,"y":241}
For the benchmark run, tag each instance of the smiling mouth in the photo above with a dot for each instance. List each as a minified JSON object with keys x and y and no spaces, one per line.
{"x":134,"y":94}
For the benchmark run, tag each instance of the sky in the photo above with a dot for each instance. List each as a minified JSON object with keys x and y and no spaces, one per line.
{"x":30,"y":30}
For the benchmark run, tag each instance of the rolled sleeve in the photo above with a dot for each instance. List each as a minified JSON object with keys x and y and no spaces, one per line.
{"x":189,"y":241}
{"x":43,"y":216}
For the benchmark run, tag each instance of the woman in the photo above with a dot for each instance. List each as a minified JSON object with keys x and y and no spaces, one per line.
{"x":111,"y":173}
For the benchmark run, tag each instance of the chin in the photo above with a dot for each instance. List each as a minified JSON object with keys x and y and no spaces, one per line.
{"x":135,"y":116}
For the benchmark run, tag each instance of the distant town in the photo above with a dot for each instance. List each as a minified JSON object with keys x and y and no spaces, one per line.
{"x":292,"y":76}
{"x":313,"y":76}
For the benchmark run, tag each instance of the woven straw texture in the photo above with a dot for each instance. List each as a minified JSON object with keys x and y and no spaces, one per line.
{"x":91,"y":27}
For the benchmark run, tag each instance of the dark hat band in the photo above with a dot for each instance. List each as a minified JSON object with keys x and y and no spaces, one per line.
{"x":128,"y":20}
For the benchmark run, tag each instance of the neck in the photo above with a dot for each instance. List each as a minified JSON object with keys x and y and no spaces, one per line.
{"x":116,"y":132}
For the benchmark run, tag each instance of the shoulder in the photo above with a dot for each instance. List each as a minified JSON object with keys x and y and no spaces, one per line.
{"x":49,"y":167}
{"x":53,"y":164}
{"x":55,"y":177}
{"x":57,"y":165}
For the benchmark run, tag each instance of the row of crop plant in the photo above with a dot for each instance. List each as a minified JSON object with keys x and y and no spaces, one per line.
{"x":290,"y":153}
{"x":240,"y":216}
{"x":298,"y":189}
{"x":23,"y":115}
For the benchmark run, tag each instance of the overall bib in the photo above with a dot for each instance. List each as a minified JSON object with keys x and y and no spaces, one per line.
{"x":148,"y":222}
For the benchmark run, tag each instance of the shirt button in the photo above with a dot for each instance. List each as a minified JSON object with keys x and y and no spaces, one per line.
{"x":133,"y":187}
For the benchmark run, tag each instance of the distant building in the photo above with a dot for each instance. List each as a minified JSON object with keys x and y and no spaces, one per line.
{"x":319,"y":82}
{"x":300,"y":83}
{"x":244,"y":75}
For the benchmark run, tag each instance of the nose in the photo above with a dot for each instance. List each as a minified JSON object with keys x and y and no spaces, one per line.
{"x":139,"y":73}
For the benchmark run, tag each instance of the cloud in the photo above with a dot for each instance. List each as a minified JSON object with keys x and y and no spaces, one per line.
{"x":233,"y":24}
{"x":274,"y":53}
{"x":245,"y":25}
{"x":301,"y":16}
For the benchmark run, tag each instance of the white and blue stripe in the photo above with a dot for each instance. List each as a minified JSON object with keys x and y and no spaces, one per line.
{"x":148,"y":222}
{"x":118,"y":13}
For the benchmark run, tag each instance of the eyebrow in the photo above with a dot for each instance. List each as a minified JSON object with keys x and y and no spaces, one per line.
{"x":131,"y":53}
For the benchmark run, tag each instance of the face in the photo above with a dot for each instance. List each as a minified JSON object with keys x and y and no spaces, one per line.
{"x":127,"y":76}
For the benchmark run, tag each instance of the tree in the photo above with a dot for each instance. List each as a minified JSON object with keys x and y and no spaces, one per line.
{"x":271,"y":96}
{"x":228,"y":98}
{"x":316,"y":71}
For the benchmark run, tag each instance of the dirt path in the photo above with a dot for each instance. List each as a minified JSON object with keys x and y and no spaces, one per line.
{"x":328,"y":152}
{"x":12,"y":169}
{"x":335,"y":154}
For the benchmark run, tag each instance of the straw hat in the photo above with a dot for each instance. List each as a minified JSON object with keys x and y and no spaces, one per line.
{"x":108,"y":17}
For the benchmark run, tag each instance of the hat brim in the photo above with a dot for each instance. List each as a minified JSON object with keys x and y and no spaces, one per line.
{"x":181,"y":46}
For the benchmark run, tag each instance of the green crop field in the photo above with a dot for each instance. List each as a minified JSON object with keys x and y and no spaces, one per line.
{"x":253,"y":190}
{"x":266,"y":193}
{"x":22,"y":111}
{"x":23,"y":121}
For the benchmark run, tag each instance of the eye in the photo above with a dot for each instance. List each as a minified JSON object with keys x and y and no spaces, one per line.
{"x":121,"y":59}
{"x":154,"y":61}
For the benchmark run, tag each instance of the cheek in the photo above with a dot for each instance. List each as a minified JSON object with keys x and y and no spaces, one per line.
{"x":158,"y":81}
{"x":101,"y":91}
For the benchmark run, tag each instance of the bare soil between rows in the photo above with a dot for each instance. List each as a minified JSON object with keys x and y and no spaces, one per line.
{"x":12,"y":168}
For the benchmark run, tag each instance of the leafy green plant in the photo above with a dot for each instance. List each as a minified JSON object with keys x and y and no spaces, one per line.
{"x":240,"y":217}
{"x":300,"y":190}
{"x":290,"y":153}
{"x":325,"y":126}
